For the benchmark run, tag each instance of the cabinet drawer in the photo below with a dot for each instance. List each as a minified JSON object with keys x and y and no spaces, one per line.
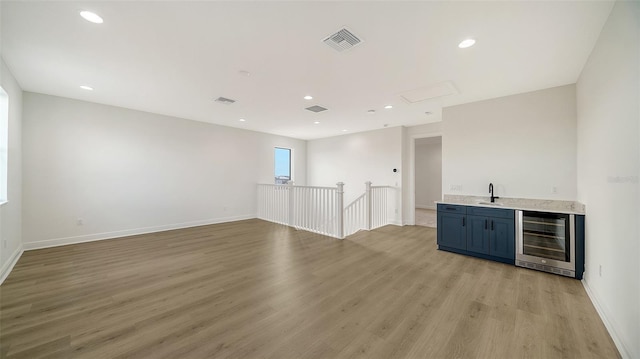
{"x":452,"y":208}
{"x":491,"y":212}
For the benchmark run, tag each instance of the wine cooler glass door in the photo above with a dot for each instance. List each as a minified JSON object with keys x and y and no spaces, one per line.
{"x":546,"y":236}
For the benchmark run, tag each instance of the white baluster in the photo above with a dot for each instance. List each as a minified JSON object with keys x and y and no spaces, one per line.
{"x":339,"y":207}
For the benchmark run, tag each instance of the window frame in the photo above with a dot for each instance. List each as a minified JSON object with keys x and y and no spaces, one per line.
{"x":275,"y":163}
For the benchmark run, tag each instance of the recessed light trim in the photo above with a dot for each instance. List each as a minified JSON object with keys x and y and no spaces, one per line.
{"x":308,"y":97}
{"x":85,"y":87}
{"x":316,"y":122}
{"x":371,"y":112}
{"x":388,"y":107}
{"x":466,"y":43}
{"x":242,"y":120}
{"x":91,"y":17}
{"x":345,"y":130}
{"x":428,"y":113}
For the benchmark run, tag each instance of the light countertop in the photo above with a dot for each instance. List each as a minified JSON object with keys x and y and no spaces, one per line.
{"x":527,"y":204}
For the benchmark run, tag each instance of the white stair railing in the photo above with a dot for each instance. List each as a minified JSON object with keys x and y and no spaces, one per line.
{"x":314,"y":209}
{"x":355,"y":215}
{"x":320,"y":209}
{"x":273,"y":203}
{"x":379,"y":202}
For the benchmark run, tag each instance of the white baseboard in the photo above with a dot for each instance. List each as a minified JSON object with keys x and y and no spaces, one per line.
{"x":55,"y":242}
{"x":426,"y":206}
{"x":396,"y":223}
{"x":608,"y":323}
{"x":11,"y":262}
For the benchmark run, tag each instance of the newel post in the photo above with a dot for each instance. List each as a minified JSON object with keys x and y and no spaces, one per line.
{"x":340,"y":209}
{"x":291,"y":203}
{"x":367,"y":198}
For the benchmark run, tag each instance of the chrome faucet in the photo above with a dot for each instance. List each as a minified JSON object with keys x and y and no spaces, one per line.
{"x":493,"y":198}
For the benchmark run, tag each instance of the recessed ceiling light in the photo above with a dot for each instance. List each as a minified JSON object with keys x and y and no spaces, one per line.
{"x":91,"y":17}
{"x":428,"y":113}
{"x":308,"y":97}
{"x":466,"y":43}
{"x":316,"y":123}
{"x":244,"y":73}
{"x":388,"y":107}
{"x":88,"y":88}
{"x":371,"y":111}
{"x":344,"y":130}
{"x":242,"y":120}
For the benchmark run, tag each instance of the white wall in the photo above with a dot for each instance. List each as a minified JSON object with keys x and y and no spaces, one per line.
{"x":428,"y":167}
{"x":355,"y":159}
{"x":608,"y":101}
{"x":11,"y":212}
{"x":524,"y":144}
{"x":121,"y":171}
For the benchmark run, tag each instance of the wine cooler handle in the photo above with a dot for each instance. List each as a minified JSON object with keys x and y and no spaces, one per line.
{"x":463,"y":221}
{"x":492,"y":225}
{"x":485,"y":223}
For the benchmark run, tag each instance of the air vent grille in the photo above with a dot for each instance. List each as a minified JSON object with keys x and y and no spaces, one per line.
{"x":342,"y":40}
{"x":316,"y":108}
{"x":225,"y":101}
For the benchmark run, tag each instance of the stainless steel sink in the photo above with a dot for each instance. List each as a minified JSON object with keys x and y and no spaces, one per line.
{"x":491,"y":204}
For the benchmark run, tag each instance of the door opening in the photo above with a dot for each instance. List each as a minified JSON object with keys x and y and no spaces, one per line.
{"x":428,"y":179}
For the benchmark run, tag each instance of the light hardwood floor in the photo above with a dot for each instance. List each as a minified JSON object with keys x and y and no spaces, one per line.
{"x":254,"y":289}
{"x":426,"y":217}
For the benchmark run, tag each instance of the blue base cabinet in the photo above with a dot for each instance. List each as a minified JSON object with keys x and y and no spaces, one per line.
{"x":482,"y":232}
{"x":452,"y":227}
{"x":490,"y":233}
{"x":502,"y":238}
{"x":478,"y":234}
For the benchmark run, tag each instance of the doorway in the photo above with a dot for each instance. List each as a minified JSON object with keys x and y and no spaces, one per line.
{"x":428,"y":179}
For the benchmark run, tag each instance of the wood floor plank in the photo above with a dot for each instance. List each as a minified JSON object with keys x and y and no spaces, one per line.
{"x":253,"y":289}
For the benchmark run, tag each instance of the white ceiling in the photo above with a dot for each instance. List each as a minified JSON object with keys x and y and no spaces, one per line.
{"x":174,"y":58}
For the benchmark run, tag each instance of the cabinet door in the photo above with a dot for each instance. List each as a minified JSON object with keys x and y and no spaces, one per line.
{"x":502,"y":238}
{"x":478,"y":234}
{"x":452,"y":230}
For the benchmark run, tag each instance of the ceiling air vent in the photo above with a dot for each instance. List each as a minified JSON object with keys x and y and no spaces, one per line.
{"x":316,"y":108}
{"x":342,"y":40}
{"x":225,"y":101}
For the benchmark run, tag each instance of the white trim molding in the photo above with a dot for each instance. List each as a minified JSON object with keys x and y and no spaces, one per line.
{"x":608,"y":323}
{"x":8,"y":267}
{"x":55,"y":242}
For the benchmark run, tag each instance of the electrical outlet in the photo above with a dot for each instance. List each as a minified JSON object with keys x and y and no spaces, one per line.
{"x":80,"y":222}
{"x":455,"y":187}
{"x":554,"y":190}
{"x":396,"y":211}
{"x":600,"y":270}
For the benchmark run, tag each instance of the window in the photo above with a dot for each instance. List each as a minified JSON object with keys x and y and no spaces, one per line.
{"x":283,"y":165}
{"x":4,"y":144}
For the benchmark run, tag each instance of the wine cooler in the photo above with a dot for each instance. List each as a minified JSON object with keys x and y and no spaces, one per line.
{"x":546,"y":242}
